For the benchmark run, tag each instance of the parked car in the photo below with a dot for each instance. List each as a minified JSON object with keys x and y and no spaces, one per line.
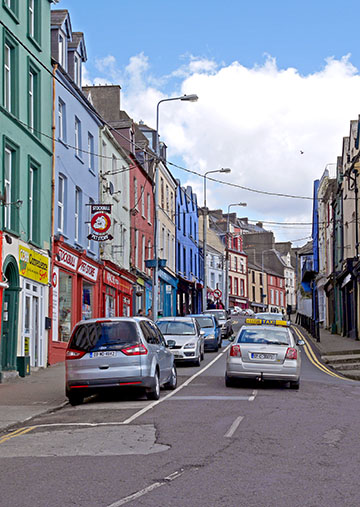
{"x":235,"y":310}
{"x":212,"y":331}
{"x":224,"y":321}
{"x":117,"y":352}
{"x":248,"y":312}
{"x":264,"y":351}
{"x":184,"y":338}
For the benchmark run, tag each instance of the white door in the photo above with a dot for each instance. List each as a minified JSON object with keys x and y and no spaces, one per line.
{"x":32,"y":330}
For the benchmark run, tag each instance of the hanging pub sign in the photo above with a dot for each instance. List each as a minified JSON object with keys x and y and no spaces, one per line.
{"x":100,"y":222}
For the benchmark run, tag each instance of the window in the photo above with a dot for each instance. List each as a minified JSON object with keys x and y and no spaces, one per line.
{"x":142,"y":201}
{"x":77,"y":137}
{"x":12,"y":6}
{"x":184,"y":224}
{"x":236,"y":290}
{"x":90,"y":151}
{"x":10,"y":81}
{"x":172,"y":204}
{"x":143,"y":254}
{"x":272,"y":296}
{"x":77,"y":214}
{"x":212,"y":280}
{"x":31,"y":18}
{"x":149,"y":208}
{"x":61,"y":50}
{"x":190,"y":226}
{"x":236,"y":263}
{"x":253,"y":277}
{"x":136,"y":247}
{"x":61,"y":117}
{"x":11,"y":185}
{"x":277,"y":297}
{"x":280,"y":282}
{"x":195,"y":232}
{"x":135,"y":194}
{"x":162,"y":193}
{"x":281,"y":299}
{"x":34,"y":202}
{"x":90,"y":242}
{"x":113,"y":163}
{"x":242,"y":288}
{"x":7,"y":184}
{"x":184,"y":257}
{"x":167,"y":199}
{"x":77,"y":70}
{"x":61,"y":203}
{"x":33,"y":101}
{"x":230,"y":286}
{"x":178,"y":216}
{"x":65,"y":306}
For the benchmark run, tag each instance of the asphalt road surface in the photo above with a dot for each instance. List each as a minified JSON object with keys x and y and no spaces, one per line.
{"x":257,"y":444}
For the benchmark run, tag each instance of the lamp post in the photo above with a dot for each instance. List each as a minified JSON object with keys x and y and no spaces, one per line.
{"x":155,"y":287}
{"x":227,"y":253}
{"x":222,"y":170}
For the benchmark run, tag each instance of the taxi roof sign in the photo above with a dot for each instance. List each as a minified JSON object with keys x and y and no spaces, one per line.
{"x":268,"y":322}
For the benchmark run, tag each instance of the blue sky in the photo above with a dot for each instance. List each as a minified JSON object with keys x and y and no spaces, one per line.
{"x":274,"y":78}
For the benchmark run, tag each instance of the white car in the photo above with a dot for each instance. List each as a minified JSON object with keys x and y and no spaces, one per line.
{"x":264,"y":351}
{"x":184,"y":338}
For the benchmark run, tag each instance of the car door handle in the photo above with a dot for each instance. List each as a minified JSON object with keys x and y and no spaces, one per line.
{"x":104,"y":367}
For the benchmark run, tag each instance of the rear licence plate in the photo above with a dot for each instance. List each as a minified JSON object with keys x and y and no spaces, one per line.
{"x":105,"y":353}
{"x":259,"y":355}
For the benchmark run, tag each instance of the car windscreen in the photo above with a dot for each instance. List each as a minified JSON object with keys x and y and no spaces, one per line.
{"x":176,"y":327}
{"x":271,"y":336}
{"x":205,"y":322}
{"x":219,"y":314}
{"x":269,"y":316}
{"x":104,"y":335}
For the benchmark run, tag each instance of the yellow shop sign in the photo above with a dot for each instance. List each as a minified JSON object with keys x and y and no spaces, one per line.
{"x":33,"y":265}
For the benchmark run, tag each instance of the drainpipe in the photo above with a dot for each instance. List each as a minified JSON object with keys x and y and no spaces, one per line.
{"x":52,"y":225}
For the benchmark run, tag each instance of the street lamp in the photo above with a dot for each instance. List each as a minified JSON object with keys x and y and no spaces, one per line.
{"x":155,"y":288}
{"x":227,"y":253}
{"x":222,"y":170}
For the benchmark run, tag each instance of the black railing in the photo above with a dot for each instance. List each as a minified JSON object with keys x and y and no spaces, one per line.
{"x":311,"y":325}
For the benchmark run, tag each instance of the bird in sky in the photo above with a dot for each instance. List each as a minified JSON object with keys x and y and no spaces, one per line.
{"x":301,"y":152}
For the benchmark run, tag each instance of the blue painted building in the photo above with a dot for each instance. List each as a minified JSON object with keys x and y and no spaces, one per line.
{"x":189,"y":266}
{"x":76,"y":272}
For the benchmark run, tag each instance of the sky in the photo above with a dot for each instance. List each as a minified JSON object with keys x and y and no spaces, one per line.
{"x":278,"y":84}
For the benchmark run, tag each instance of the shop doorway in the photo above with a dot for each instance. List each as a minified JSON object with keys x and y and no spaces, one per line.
{"x":10,"y":316}
{"x":32,"y":337}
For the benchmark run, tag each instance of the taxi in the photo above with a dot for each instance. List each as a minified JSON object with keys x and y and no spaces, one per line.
{"x":264,"y":349}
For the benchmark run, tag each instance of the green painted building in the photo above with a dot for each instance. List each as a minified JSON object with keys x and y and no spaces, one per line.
{"x":25,"y":181}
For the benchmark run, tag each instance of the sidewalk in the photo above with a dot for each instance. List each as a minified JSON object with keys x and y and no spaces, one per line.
{"x":339,"y":352}
{"x":38,"y":393}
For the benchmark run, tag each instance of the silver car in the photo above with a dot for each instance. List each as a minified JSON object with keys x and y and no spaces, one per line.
{"x":117,"y":352}
{"x":265,"y":351}
{"x":184,"y":338}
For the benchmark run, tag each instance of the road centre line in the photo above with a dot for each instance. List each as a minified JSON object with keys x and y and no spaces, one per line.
{"x":253,"y":395}
{"x":234,"y":427}
{"x":186,"y":383}
{"x":142,"y":492}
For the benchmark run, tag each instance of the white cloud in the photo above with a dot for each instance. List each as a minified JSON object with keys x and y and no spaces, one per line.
{"x":256,"y":121}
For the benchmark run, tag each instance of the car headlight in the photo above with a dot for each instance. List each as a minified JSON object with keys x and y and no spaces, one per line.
{"x":190,"y":345}
{"x":210,"y":337}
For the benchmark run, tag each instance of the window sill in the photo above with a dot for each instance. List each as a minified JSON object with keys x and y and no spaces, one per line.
{"x":11,"y":13}
{"x":92,"y":171}
{"x":63,"y":142}
{"x":32,"y":242}
{"x":34,"y":42}
{"x":79,"y":159}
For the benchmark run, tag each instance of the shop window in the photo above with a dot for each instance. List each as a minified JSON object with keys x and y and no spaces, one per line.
{"x":65,"y":306}
{"x":87,"y":299}
{"x":110,"y":302}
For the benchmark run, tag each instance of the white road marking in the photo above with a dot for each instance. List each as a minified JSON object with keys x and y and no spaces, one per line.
{"x":220,"y":398}
{"x":138,"y":494}
{"x":234,"y":427}
{"x":186,"y":383}
{"x":142,"y":492}
{"x":253,"y":396}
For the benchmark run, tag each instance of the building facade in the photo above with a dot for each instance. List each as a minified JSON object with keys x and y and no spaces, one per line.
{"x":26,"y":169}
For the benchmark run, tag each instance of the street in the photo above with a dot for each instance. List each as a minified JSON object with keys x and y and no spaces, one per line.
{"x":257,"y":444}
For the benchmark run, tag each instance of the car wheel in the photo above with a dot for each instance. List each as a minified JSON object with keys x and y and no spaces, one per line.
{"x":202,"y":355}
{"x":153,"y":393}
{"x":171,"y":385}
{"x":75,"y":399}
{"x":220,"y":343}
{"x":295,"y":385}
{"x":197,"y":361}
{"x":216,"y":348}
{"x":229,"y":382}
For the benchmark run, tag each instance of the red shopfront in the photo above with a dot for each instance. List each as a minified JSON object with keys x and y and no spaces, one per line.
{"x":117,"y":292}
{"x":75,"y":296}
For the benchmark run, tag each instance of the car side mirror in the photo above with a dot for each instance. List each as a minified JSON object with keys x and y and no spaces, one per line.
{"x":300,"y":343}
{"x":171,"y":344}
{"x":231,"y":338}
{"x":202,"y":332}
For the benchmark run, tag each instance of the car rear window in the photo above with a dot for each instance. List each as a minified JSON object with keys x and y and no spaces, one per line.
{"x":269,"y":316}
{"x":176,"y":327}
{"x":104,"y":335}
{"x":219,"y":314}
{"x":273,"y":336}
{"x":205,"y":322}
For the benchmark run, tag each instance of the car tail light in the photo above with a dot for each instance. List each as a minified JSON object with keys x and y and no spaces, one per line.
{"x":235,"y":351}
{"x":74,"y":354}
{"x":135,"y":350}
{"x":291,"y":353}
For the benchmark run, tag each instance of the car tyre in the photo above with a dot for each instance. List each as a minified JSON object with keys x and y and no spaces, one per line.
{"x":202,"y":355}
{"x":295,"y":385}
{"x":216,"y":347}
{"x":171,"y":385}
{"x":153,"y":393}
{"x":229,"y":382}
{"x":75,"y":399}
{"x":197,"y":361}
